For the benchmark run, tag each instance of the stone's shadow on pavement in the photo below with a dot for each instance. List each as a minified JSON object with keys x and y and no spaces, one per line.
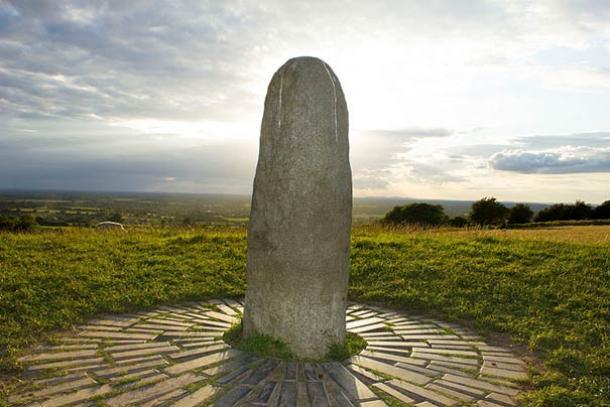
{"x":175,"y":356}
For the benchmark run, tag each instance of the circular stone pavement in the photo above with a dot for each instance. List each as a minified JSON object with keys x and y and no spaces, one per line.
{"x":174,"y":356}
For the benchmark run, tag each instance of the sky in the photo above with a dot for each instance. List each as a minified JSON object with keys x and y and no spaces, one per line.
{"x":454,"y":99}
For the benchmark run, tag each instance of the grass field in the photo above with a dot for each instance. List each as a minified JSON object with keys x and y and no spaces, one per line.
{"x":548,"y":289}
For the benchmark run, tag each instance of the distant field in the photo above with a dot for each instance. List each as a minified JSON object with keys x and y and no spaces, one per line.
{"x":547,"y":288}
{"x":157,"y":209}
{"x":595,"y":235}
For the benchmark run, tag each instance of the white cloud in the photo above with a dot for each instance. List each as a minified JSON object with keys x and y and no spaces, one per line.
{"x":568,"y":160}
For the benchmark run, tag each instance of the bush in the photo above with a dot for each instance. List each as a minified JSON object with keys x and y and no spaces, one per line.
{"x":458,"y":222}
{"x":24,"y":223}
{"x":553,"y":212}
{"x":488,"y":211}
{"x":417,"y":213}
{"x":578,"y":211}
{"x":602,"y":211}
{"x":520,"y":213}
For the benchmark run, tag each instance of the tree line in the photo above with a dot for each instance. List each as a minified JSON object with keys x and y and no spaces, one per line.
{"x":489,"y":212}
{"x":23,"y":223}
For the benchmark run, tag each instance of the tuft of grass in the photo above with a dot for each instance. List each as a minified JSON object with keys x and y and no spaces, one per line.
{"x":386,"y":398}
{"x":354,"y":344}
{"x":259,"y":345}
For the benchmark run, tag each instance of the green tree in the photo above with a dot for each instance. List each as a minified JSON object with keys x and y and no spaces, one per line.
{"x":458,"y":222}
{"x":578,"y":211}
{"x":553,"y":212}
{"x":520,"y":213}
{"x":602,"y":211}
{"x":24,"y":223}
{"x":488,"y":211}
{"x":7,"y":223}
{"x":416,"y":213}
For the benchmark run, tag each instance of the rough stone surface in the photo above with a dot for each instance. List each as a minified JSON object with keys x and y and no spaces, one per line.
{"x":300,"y":221}
{"x":210,"y":372}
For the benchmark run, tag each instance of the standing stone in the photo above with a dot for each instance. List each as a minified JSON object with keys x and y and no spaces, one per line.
{"x":301,"y":216}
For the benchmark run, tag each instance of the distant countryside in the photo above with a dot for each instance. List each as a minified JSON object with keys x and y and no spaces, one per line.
{"x":23,"y":210}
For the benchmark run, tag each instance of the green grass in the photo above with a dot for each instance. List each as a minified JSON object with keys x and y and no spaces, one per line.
{"x":267,"y":347}
{"x":354,"y":344}
{"x":548,"y":289}
{"x":51,"y":280}
{"x":259,"y":345}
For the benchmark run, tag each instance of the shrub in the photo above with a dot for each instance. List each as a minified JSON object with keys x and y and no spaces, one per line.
{"x":520,"y":213}
{"x":24,"y":223}
{"x":458,"y":222}
{"x":578,"y":211}
{"x":488,"y":211}
{"x":602,"y":211}
{"x":417,"y":213}
{"x":553,"y":212}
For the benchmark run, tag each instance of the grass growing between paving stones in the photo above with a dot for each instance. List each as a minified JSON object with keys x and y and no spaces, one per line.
{"x":548,"y":289}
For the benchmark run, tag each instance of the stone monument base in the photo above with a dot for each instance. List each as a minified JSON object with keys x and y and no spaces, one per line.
{"x":174,"y":355}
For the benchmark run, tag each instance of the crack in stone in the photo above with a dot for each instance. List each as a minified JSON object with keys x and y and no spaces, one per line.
{"x":279,"y":119}
{"x":335,"y":98}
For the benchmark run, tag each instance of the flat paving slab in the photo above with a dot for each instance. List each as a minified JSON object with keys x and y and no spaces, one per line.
{"x":414,"y":361}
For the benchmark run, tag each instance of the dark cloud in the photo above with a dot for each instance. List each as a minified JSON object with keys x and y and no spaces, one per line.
{"x":148,"y":166}
{"x":555,"y":154}
{"x":559,"y":162}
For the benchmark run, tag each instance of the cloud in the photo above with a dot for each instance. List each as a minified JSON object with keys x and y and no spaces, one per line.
{"x":148,"y":165}
{"x":146,"y":95}
{"x":567,"y":160}
{"x":412,"y":133}
{"x":594,"y":139}
{"x":422,"y":172}
{"x":365,"y":179}
{"x":379,"y":156}
{"x":130,"y":59}
{"x":555,"y":154}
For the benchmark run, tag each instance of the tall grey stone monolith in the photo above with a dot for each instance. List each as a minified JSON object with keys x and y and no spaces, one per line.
{"x":301,"y":216}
